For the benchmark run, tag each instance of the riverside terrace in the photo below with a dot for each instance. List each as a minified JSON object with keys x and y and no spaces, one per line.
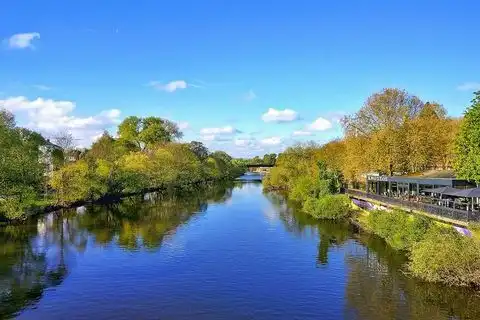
{"x":446,"y":197}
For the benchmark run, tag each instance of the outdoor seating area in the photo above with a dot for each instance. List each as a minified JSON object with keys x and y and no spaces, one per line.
{"x":444,"y":192}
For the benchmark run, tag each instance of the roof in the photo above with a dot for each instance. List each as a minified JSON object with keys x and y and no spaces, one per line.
{"x":448,"y":182}
{"x":442,"y":190}
{"x":450,"y":174}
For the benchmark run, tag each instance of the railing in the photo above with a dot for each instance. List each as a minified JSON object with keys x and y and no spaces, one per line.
{"x":446,"y":212}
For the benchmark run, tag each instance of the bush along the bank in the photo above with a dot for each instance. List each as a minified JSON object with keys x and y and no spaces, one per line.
{"x":446,"y":256}
{"x":399,"y":229}
{"x":437,"y":252}
{"x":331,"y":206}
{"x":307,"y":179}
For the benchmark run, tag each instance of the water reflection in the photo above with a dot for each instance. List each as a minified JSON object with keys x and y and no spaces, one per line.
{"x":256,"y":255}
{"x":331,"y":234}
{"x":378,"y":286}
{"x":39,"y":254}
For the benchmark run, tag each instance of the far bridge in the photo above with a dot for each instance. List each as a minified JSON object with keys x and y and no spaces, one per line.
{"x":261,"y":167}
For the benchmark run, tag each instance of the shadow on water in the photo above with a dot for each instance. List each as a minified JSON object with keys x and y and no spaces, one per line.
{"x":377,"y":286}
{"x":38,"y":255}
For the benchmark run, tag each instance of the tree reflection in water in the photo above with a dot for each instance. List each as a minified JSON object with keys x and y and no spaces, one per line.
{"x":331,"y":234}
{"x":379,"y":288}
{"x":377,"y":285}
{"x":39,"y":254}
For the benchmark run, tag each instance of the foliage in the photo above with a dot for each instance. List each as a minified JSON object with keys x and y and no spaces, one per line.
{"x":269,"y":159}
{"x":303,"y":172}
{"x":446,"y":256}
{"x":467,"y":144}
{"x":306,"y":187}
{"x":294,"y":162}
{"x":146,"y":132}
{"x":199,"y":150}
{"x":71,"y":182}
{"x":21,"y":171}
{"x":395,"y":132}
{"x":399,"y":229}
{"x":109,"y":169}
{"x":329,"y":206}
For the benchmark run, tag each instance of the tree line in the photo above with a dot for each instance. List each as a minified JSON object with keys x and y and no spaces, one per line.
{"x":146,"y":154}
{"x":393,"y":133}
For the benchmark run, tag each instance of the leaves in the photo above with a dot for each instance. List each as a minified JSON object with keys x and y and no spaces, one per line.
{"x":467,"y":144}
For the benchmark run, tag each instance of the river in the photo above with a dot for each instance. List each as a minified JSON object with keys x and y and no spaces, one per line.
{"x":228,"y":252}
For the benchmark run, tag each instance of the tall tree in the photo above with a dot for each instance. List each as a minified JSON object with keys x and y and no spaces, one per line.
{"x":129,"y":131}
{"x":146,"y":132}
{"x":21,"y":171}
{"x":199,"y":150}
{"x":383,"y":118}
{"x":269,"y":159}
{"x":467,"y":146}
{"x":103,"y":148}
{"x":386,"y":109}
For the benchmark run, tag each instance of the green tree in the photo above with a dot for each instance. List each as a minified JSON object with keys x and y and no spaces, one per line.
{"x":21,"y":171}
{"x":269,"y":159}
{"x":467,"y":145}
{"x":104,"y":148}
{"x":146,"y":132}
{"x":71,"y":182}
{"x":382,"y":118}
{"x":199,"y":150}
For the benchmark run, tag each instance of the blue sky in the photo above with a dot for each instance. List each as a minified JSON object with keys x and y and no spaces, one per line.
{"x":217,"y":67}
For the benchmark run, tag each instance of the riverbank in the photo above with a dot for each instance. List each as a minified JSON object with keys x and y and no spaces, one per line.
{"x":437,"y":252}
{"x":49,"y":206}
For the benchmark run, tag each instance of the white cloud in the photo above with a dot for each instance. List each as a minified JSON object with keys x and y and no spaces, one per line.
{"x":22,"y":40}
{"x":469,"y":86}
{"x":272,"y":141}
{"x":51,"y":116}
{"x":171,"y":86}
{"x":182,"y":125}
{"x":321,"y":124}
{"x":250,"y":95}
{"x":244,"y":142}
{"x":218,"y":134}
{"x":302,"y":133}
{"x":42,"y":87}
{"x":221,"y":130}
{"x":208,"y":137}
{"x":274,"y":115}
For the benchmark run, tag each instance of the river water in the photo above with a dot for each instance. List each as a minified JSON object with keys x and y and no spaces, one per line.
{"x":228,"y":252}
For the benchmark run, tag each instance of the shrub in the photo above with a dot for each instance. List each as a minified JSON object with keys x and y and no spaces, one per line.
{"x":328,"y":207}
{"x":446,"y":256}
{"x":15,"y":207}
{"x":307,"y":187}
{"x":71,"y":182}
{"x":399,"y":229}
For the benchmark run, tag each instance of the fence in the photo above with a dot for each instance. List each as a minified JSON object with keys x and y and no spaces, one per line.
{"x":446,"y":212}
